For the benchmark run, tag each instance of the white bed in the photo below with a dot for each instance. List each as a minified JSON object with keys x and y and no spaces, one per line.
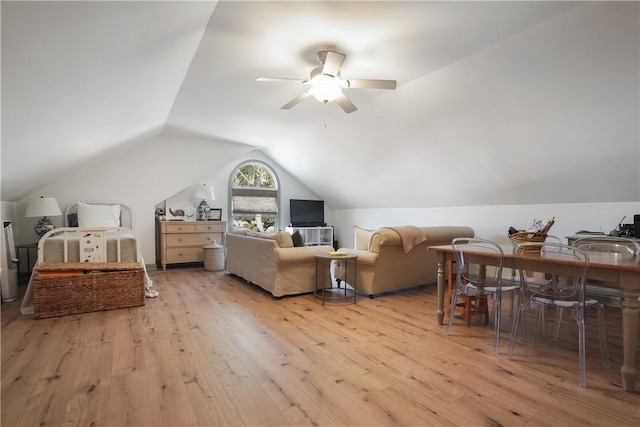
{"x":107,"y":226}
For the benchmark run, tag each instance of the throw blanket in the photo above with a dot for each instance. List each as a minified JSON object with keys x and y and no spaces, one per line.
{"x":410,"y":236}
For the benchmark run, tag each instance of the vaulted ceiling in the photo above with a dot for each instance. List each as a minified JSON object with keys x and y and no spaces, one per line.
{"x":497,"y":102}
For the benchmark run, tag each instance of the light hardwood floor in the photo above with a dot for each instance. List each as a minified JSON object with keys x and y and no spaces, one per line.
{"x":214,"y":350}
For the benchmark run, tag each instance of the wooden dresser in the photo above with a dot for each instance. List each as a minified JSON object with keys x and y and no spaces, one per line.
{"x":182,"y":241}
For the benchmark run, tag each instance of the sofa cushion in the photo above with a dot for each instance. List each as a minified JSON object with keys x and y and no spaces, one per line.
{"x":362,"y":238}
{"x":284,"y":239}
{"x":298,"y":241}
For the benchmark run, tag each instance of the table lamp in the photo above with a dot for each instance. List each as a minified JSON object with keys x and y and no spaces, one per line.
{"x":43,"y":207}
{"x":204,"y":192}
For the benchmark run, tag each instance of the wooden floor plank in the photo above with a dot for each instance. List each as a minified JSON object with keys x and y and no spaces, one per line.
{"x":213,"y":349}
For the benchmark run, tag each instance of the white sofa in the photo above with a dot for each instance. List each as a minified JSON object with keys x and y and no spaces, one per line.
{"x":270,"y":261}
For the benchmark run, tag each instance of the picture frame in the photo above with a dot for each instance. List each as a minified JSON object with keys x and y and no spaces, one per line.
{"x":176,"y":210}
{"x":93,"y":247}
{"x":215,"y":214}
{"x":190,"y":213}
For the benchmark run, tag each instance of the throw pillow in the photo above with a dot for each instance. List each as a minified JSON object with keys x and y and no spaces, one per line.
{"x":72,"y":220}
{"x":284,"y":239}
{"x":298,"y":241}
{"x":362,"y":238}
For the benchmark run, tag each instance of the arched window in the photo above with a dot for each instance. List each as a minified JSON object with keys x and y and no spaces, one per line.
{"x":254,"y":197}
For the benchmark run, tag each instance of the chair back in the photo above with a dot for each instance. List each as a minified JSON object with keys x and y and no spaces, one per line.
{"x":618,"y":245}
{"x":553,"y":239}
{"x":469,"y":270}
{"x":568,"y":286}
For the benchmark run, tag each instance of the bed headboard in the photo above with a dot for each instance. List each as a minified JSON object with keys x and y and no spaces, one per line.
{"x":126,"y":217}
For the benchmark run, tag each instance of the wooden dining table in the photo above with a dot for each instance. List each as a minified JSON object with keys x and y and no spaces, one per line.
{"x":614,"y":270}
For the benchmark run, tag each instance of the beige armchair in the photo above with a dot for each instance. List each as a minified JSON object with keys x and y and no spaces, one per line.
{"x":383,"y":265}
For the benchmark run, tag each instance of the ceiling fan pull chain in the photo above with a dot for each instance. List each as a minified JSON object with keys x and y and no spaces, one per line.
{"x":325,"y":113}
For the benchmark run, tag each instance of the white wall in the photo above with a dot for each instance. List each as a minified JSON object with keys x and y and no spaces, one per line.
{"x":145,"y":173}
{"x":290,"y":187}
{"x":7,"y":213}
{"x":490,"y":222}
{"x":139,"y":175}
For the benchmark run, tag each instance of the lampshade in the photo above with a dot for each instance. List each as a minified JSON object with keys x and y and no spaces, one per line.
{"x":43,"y":206}
{"x":325,"y":88}
{"x":205,"y":192}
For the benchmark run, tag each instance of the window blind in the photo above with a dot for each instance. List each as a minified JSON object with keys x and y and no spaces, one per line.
{"x":254,"y":201}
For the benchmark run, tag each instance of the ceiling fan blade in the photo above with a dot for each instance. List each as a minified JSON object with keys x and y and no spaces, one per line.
{"x":371,"y":84}
{"x":296,"y":100}
{"x":332,"y":63}
{"x":278,"y":79}
{"x":345,"y":103}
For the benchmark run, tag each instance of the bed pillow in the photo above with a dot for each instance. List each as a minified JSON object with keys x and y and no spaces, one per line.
{"x":98,"y":215}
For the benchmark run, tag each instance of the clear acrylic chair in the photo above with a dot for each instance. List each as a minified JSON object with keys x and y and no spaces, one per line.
{"x":534,"y":280}
{"x":622,"y":246}
{"x":566,"y":292}
{"x":609,"y":297}
{"x":479,"y":281}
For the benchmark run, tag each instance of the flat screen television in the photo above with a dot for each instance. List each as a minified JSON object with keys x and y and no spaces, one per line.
{"x":306,"y":213}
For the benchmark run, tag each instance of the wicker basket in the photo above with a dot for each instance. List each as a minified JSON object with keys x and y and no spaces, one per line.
{"x":528,"y":237}
{"x":74,"y":290}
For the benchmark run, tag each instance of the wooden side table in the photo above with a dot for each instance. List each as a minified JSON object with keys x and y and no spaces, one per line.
{"x":323,"y":268}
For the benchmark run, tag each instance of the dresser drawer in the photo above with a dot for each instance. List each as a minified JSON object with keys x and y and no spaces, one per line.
{"x":218,"y":227}
{"x":181,"y":227}
{"x":199,"y":239}
{"x":185,"y":255}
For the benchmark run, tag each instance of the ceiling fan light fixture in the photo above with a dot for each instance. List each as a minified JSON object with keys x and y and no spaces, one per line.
{"x":325,"y":88}
{"x":327,"y":83}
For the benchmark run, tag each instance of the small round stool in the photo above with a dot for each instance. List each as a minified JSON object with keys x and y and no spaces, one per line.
{"x":213,"y":257}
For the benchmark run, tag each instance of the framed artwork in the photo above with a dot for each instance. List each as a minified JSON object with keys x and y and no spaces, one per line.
{"x":93,"y":247}
{"x":189,"y":213}
{"x":215,"y":214}
{"x":176,"y":211}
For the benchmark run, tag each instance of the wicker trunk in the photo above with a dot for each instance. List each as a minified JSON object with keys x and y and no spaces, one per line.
{"x":72,"y":288}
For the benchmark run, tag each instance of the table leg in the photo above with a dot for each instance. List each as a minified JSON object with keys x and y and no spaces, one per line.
{"x":441,"y":288}
{"x":319,"y":279}
{"x":630,"y":315}
{"x":355,"y":280}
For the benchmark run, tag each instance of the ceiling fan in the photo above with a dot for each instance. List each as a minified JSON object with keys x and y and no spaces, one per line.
{"x":327,"y":84}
